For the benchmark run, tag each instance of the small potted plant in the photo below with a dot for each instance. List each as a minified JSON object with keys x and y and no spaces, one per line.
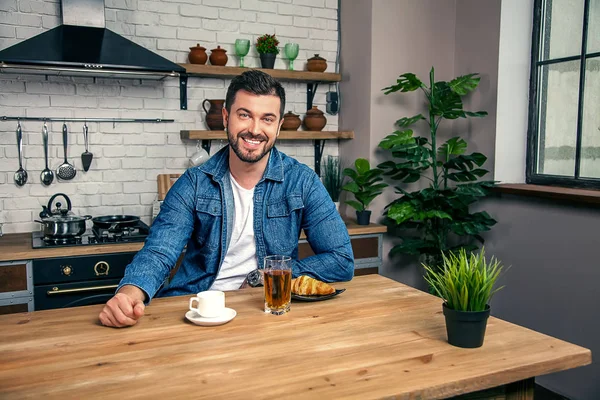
{"x":333,"y":178}
{"x":365,"y":187}
{"x":466,"y":284}
{"x":266,"y":45}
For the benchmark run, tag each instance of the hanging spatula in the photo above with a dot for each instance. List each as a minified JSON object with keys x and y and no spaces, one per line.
{"x":86,"y":157}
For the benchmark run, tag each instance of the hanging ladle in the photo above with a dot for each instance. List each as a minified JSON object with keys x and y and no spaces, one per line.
{"x":47,"y":176}
{"x":21,"y":174}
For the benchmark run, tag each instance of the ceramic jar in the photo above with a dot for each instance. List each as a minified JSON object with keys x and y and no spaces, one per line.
{"x":316,"y":64}
{"x":315,"y":119}
{"x":198,"y":55}
{"x":214,"y":116}
{"x":291,"y":122}
{"x":218,"y":56}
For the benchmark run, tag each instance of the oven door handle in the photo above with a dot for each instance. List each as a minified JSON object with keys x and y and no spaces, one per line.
{"x":56,"y":290}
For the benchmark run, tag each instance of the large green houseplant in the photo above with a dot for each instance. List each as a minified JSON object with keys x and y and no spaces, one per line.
{"x":436,"y":218}
{"x":466,"y":284}
{"x":366,"y":184}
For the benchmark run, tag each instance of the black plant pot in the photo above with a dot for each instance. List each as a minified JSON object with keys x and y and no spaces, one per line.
{"x":363,"y":217}
{"x":267,"y":60}
{"x":466,"y":328}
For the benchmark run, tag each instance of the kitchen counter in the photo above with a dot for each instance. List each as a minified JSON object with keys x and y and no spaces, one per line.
{"x":378,"y":339}
{"x":17,"y":246}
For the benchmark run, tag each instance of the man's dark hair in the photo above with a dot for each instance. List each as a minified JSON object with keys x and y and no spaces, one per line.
{"x":258,"y":83}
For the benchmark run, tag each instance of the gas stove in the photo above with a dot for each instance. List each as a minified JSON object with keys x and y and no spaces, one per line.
{"x":94,"y":236}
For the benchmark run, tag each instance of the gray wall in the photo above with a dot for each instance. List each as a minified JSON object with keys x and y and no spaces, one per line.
{"x":476,"y":51}
{"x":355,"y":65}
{"x":552,"y":285}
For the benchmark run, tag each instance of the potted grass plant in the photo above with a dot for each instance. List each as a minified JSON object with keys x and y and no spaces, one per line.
{"x":333,"y":178}
{"x":365,"y":185}
{"x":266,"y":45}
{"x":466,"y":283}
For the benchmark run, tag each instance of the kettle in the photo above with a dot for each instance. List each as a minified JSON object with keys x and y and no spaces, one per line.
{"x":47,"y":211}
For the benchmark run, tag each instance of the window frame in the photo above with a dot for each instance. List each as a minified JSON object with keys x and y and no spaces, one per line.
{"x":531,"y":175}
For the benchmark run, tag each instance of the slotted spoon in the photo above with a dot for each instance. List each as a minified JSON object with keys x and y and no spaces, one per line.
{"x":65,"y":171}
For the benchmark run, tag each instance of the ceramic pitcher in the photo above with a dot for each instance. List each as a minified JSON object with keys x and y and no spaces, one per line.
{"x":214,"y":116}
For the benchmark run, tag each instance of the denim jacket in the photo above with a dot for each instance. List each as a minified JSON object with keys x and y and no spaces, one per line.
{"x":198,"y":212}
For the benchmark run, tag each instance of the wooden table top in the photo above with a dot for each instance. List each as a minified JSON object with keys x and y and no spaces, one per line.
{"x":17,"y":246}
{"x":378,"y":339}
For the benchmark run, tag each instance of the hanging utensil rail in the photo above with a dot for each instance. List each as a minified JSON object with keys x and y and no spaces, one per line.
{"x":113,"y":120}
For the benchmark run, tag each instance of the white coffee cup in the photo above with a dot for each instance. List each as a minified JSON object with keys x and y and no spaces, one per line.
{"x":199,"y":157}
{"x":211,"y":303}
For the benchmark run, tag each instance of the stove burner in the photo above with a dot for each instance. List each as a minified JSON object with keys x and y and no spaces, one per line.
{"x":95,"y":236}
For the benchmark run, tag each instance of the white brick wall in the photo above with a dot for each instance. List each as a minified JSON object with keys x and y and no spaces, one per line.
{"x":127,"y":157}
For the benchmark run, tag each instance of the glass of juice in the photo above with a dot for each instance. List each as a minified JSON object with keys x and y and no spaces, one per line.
{"x":278,"y":284}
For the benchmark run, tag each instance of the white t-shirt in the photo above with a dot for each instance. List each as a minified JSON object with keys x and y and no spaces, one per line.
{"x":241,"y":254}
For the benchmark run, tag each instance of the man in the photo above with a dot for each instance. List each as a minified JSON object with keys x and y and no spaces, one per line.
{"x":248,"y":201}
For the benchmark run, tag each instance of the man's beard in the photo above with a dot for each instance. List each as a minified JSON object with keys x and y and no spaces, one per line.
{"x":250,"y":157}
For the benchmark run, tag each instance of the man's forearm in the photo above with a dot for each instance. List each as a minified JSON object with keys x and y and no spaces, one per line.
{"x":333,"y":266}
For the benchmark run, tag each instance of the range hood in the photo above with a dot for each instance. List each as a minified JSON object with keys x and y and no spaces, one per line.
{"x":82,"y":46}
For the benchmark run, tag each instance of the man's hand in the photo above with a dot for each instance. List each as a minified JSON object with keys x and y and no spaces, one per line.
{"x":124,"y":308}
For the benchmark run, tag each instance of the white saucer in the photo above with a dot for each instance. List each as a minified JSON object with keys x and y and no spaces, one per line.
{"x":224,"y":318}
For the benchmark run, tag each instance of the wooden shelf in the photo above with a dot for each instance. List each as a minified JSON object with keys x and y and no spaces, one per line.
{"x":215,"y":71}
{"x":286,"y":135}
{"x":586,"y":196}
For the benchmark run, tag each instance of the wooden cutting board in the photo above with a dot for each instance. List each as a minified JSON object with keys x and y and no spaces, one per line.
{"x":165,"y":181}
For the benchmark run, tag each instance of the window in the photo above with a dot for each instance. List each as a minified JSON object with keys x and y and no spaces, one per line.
{"x":564,"y":109}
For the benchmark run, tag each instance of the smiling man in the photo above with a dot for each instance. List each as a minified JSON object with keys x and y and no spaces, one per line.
{"x":248,"y":201}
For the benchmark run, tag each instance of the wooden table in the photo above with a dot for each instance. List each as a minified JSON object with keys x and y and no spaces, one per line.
{"x":379,"y":339}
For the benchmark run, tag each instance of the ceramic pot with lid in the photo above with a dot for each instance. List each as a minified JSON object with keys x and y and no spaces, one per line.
{"x":315,"y":119}
{"x":291,"y":122}
{"x":198,"y":55}
{"x":316,"y":64}
{"x":218,"y":56}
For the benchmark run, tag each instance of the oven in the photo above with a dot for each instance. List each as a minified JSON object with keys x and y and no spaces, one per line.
{"x":78,"y":280}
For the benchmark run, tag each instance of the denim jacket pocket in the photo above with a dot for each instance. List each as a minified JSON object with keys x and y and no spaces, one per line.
{"x":209,"y":212}
{"x":283,"y":216}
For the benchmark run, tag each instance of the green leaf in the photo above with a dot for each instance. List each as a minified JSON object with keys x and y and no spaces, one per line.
{"x":362,"y":166}
{"x":405,"y":83}
{"x":355,"y":204}
{"x":401,"y":212}
{"x":404,"y":122}
{"x":410,"y":246}
{"x":464,"y":84}
{"x":445,"y":102}
{"x":455,"y":146}
{"x":351,"y":173}
{"x":351,"y":187}
{"x":398,"y":138}
{"x":465,"y":162}
{"x":387,"y":165}
{"x":464,"y":176}
{"x":476,"y":113}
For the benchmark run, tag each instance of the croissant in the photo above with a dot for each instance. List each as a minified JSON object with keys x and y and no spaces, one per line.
{"x":305,"y":285}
